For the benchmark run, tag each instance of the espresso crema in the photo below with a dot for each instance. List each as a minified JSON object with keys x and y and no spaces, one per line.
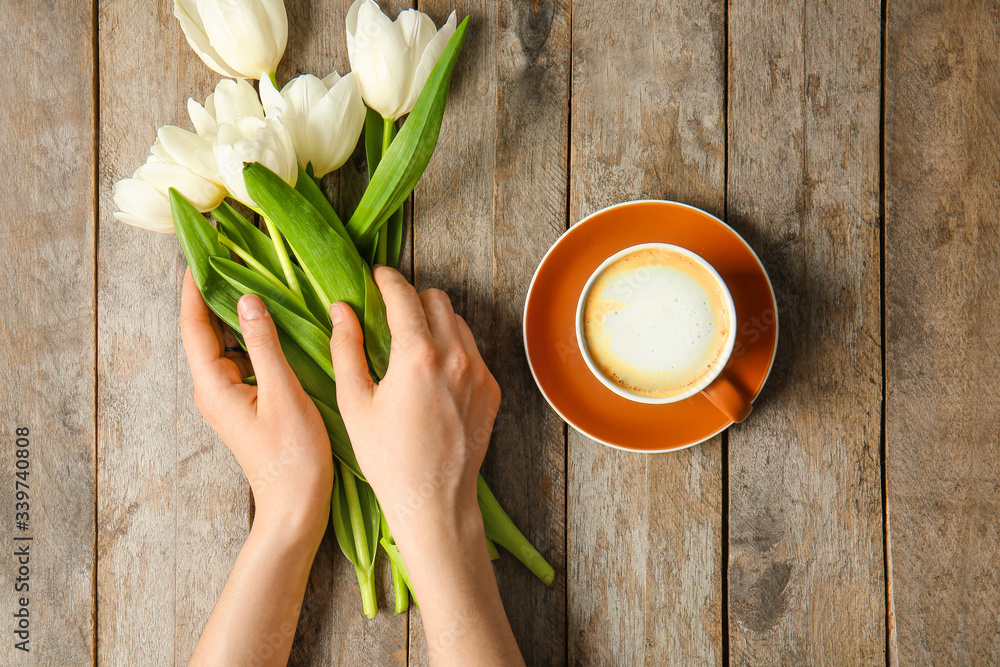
{"x":656,"y":323}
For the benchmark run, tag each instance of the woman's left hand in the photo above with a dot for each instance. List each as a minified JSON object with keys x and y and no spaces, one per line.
{"x":273,"y":429}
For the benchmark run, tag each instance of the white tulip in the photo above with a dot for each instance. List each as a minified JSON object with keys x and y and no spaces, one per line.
{"x":323,"y":116}
{"x":251,"y":139}
{"x":142,"y":205}
{"x":181,"y":160}
{"x":188,"y":149}
{"x":392,"y":59}
{"x":237,"y":38}
{"x":230,"y":101}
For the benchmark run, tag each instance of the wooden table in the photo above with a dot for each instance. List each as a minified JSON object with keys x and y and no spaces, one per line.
{"x":851,"y":520}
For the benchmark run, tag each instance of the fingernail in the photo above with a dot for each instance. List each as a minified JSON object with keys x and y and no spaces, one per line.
{"x":336,"y":314}
{"x":251,"y":307}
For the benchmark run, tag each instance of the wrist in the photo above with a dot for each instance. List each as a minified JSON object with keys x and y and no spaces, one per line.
{"x":447,"y":522}
{"x":300,"y":525}
{"x":440,"y":544}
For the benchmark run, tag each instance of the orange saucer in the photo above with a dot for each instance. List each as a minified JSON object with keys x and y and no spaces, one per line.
{"x":550,"y":333}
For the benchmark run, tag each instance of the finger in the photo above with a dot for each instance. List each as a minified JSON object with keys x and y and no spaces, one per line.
{"x":202,"y":342}
{"x":440,"y":318}
{"x":403,"y":310}
{"x":274,"y":376}
{"x":468,"y":340}
{"x":349,"y":364}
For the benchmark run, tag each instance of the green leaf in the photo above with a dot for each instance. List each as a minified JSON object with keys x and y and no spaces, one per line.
{"x":395,"y":228}
{"x":491,"y":548}
{"x":502,"y":530}
{"x":259,"y":245}
{"x":398,"y":566}
{"x":340,"y":442}
{"x":316,"y":382}
{"x":308,"y":188}
{"x":376,"y":326}
{"x":341,"y":518}
{"x":407,"y":158}
{"x":371,"y":514}
{"x":200,"y":241}
{"x":356,"y":518}
{"x":290,"y":315}
{"x":331,"y":263}
{"x":251,"y":239}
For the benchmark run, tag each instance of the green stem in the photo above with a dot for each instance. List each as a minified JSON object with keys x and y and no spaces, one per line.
{"x":399,"y":585}
{"x":502,"y":530}
{"x":382,"y":247}
{"x":366,"y":582}
{"x":274,"y":80}
{"x":283,"y":258}
{"x":364,"y":555}
{"x":491,"y":547}
{"x":250,"y":261}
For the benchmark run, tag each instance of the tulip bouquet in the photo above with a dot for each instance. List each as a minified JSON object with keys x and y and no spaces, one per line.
{"x":269,"y":153}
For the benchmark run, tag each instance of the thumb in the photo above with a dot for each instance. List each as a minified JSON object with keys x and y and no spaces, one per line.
{"x":349,"y":364}
{"x":261,"y":338}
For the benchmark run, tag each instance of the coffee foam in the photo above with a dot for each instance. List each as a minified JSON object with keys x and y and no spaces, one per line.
{"x":656,"y":323}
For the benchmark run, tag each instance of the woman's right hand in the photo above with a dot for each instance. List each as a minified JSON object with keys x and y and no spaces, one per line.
{"x":420,"y":436}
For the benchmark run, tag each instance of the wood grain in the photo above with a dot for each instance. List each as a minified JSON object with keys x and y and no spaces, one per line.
{"x":805,"y":570}
{"x":47,"y":327}
{"x":332,"y":628}
{"x":645,"y":531}
{"x":942,"y":160}
{"x":172,"y":502}
{"x":491,"y":202}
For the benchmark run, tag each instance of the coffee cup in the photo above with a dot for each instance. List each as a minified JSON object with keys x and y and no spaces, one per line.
{"x":656,"y":324}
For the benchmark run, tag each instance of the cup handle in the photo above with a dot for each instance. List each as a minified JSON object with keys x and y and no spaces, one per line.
{"x":728,"y":398}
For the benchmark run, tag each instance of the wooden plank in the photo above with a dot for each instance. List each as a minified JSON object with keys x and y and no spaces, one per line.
{"x":645,"y":530}
{"x":490,"y":204}
{"x":805,"y":570}
{"x":332,"y":629}
{"x":47,"y":329}
{"x":942,"y":157}
{"x":172,"y":502}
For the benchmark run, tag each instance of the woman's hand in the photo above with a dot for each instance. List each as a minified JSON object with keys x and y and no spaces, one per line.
{"x":273,"y":429}
{"x":276,"y":434}
{"x":420,"y":436}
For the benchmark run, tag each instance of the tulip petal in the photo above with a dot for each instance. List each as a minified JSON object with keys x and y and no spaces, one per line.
{"x":381,"y":59}
{"x":241,"y":33}
{"x":141,"y":205}
{"x":251,"y":139}
{"x":194,"y":30}
{"x":277,"y":20}
{"x":202,"y":119}
{"x":331,"y":80}
{"x":188,"y":149}
{"x":416,"y":28}
{"x":335,"y":124}
{"x":430,"y":56}
{"x":203,"y":194}
{"x":271,"y":99}
{"x":236,"y":99}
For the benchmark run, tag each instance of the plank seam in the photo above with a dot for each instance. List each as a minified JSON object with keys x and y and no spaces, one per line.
{"x":724,"y":537}
{"x":565,"y":429}
{"x":886,"y":538}
{"x":95,"y":27}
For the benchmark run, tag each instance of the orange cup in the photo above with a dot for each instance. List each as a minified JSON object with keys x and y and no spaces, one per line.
{"x":719,"y":389}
